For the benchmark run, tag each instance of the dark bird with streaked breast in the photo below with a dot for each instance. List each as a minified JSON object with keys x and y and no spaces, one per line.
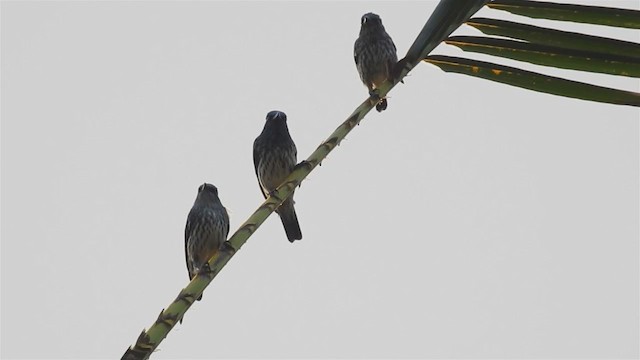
{"x":375,"y":55}
{"x":274,"y":157}
{"x":206,"y":230}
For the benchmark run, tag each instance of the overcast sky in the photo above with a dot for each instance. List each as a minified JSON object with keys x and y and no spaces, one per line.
{"x":469,"y":220}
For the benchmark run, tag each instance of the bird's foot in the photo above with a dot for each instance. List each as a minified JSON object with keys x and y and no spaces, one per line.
{"x":205,"y":270}
{"x":374,"y":97}
{"x":382,"y":105}
{"x":379,"y":102}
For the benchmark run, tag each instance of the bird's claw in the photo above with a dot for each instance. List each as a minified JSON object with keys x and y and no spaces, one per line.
{"x":379,"y":102}
{"x":205,"y":270}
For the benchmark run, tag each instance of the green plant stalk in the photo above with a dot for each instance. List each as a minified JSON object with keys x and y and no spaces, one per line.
{"x":598,"y":15}
{"x":534,"y":81}
{"x":446,"y":12}
{"x":148,"y":340}
{"x":557,"y":38}
{"x":548,"y":55}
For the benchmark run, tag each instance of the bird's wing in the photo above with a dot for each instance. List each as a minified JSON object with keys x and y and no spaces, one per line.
{"x":295,"y":154}
{"x":187,"y":231}
{"x":256,"y":162}
{"x":393,"y":60}
{"x":225,"y":214}
{"x":391,"y":65}
{"x":355,"y":53}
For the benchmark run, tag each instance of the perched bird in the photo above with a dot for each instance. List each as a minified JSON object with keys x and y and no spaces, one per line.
{"x":375,"y":55}
{"x":274,"y":157}
{"x":207,"y":229}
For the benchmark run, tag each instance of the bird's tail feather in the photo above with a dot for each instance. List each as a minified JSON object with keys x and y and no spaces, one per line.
{"x":290,"y":221}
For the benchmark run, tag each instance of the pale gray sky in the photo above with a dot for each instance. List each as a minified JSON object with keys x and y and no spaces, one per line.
{"x":469,"y":220}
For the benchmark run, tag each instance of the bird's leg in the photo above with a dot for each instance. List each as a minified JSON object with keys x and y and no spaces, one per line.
{"x":374,"y":97}
{"x":205,"y":270}
{"x":373,"y":94}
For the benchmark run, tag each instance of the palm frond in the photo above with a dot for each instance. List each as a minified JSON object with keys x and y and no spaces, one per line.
{"x":534,"y":81}
{"x":552,"y":48}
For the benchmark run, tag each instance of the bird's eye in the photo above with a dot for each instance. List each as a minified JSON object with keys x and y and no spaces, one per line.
{"x":201,"y":188}
{"x":364,"y":20}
